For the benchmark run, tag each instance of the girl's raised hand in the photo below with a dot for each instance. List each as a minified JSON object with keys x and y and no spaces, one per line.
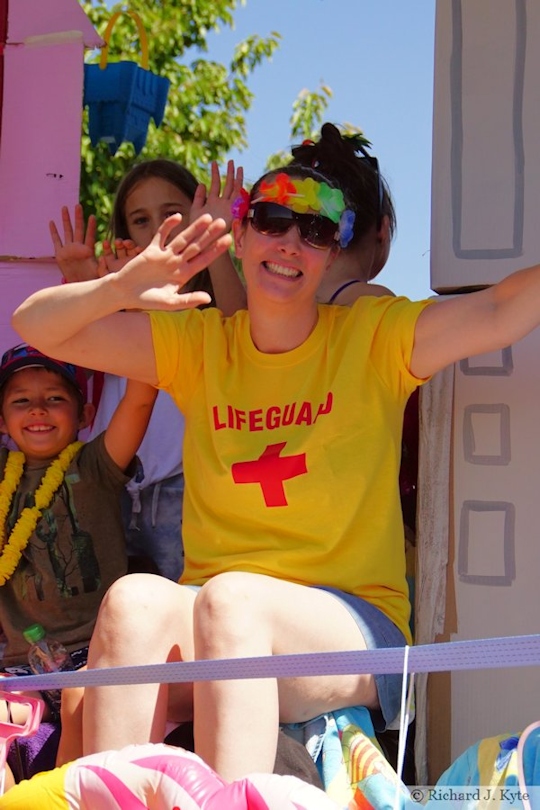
{"x":218,"y":202}
{"x":75,"y":254}
{"x":112,"y":259}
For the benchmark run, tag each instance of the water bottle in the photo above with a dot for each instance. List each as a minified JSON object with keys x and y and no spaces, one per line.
{"x":47,"y":655}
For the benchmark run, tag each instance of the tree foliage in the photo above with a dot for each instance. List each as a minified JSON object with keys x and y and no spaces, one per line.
{"x":207,"y":104}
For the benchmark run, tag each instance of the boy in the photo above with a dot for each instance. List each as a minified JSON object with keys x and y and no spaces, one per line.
{"x":58,"y":560}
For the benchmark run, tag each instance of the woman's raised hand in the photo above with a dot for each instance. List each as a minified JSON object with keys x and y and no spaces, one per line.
{"x":152,"y":279}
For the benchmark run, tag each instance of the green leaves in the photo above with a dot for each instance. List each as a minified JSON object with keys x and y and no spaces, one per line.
{"x":207,"y":104}
{"x":205,"y":117}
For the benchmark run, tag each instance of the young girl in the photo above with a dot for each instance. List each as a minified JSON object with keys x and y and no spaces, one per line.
{"x":148,"y":194}
{"x":290,"y":407}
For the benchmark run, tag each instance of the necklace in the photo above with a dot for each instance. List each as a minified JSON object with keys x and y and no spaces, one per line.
{"x":13,"y":547}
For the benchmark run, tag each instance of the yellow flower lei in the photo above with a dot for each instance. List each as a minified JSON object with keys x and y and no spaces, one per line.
{"x":13,"y":548}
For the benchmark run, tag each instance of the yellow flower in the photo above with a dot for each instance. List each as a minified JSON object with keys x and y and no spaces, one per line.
{"x":13,"y":548}
{"x":307,"y":191}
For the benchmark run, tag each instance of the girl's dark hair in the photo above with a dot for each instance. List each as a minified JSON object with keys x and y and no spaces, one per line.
{"x":173,"y":173}
{"x":345,"y":160}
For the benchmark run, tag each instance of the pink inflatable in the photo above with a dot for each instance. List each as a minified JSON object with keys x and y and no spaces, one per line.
{"x":159,"y":777}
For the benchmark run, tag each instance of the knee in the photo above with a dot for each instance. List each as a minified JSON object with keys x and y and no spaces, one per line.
{"x":131,"y":600}
{"x":226,"y":609}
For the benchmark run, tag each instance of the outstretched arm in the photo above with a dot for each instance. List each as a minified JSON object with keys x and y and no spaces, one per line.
{"x":474,"y":323}
{"x":228,"y":288}
{"x":128,"y":423}
{"x":84,"y":323}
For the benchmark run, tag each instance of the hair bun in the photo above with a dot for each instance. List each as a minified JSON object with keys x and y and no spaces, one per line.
{"x":345,"y":159}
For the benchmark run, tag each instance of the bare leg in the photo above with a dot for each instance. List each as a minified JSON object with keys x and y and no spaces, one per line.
{"x":14,"y":713}
{"x":242,"y":615}
{"x":18,"y":712}
{"x":71,"y":715}
{"x":143,"y":619}
{"x":9,"y":779}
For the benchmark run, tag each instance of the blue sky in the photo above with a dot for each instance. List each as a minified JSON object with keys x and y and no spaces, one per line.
{"x":377,"y":57}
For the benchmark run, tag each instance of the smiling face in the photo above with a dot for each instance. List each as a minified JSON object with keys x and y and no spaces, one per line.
{"x":41,"y":412}
{"x":282,"y":267}
{"x":150,"y":202}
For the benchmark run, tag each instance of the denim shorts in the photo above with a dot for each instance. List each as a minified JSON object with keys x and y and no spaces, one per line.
{"x":378,"y":632}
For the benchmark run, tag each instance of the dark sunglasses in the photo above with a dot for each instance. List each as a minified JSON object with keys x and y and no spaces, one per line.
{"x":272,"y":219}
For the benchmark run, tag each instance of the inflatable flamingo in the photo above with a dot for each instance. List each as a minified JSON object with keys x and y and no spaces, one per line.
{"x":158,"y":777}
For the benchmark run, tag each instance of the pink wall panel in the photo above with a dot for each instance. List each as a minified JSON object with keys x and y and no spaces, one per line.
{"x":40,"y":154}
{"x":41,"y":112}
{"x":31,"y":18}
{"x":17,"y":281}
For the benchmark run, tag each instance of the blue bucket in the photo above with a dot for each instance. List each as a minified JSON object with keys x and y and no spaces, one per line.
{"x":123,"y":96}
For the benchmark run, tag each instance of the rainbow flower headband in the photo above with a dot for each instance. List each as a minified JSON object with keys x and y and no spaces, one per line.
{"x":299,"y":196}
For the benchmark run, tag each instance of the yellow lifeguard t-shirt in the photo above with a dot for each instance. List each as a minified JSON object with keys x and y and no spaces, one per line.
{"x":291,"y":460}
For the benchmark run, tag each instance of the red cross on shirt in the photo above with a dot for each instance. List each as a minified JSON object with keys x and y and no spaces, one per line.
{"x":270,"y":470}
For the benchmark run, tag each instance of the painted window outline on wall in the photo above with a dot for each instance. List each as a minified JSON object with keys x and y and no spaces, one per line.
{"x":508,"y":556}
{"x":457,"y":137}
{"x":501,"y":458}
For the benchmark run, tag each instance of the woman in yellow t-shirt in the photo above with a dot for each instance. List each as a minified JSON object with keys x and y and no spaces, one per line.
{"x":292,"y":525}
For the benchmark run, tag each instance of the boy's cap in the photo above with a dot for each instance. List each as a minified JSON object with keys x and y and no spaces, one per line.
{"x":25,"y":356}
